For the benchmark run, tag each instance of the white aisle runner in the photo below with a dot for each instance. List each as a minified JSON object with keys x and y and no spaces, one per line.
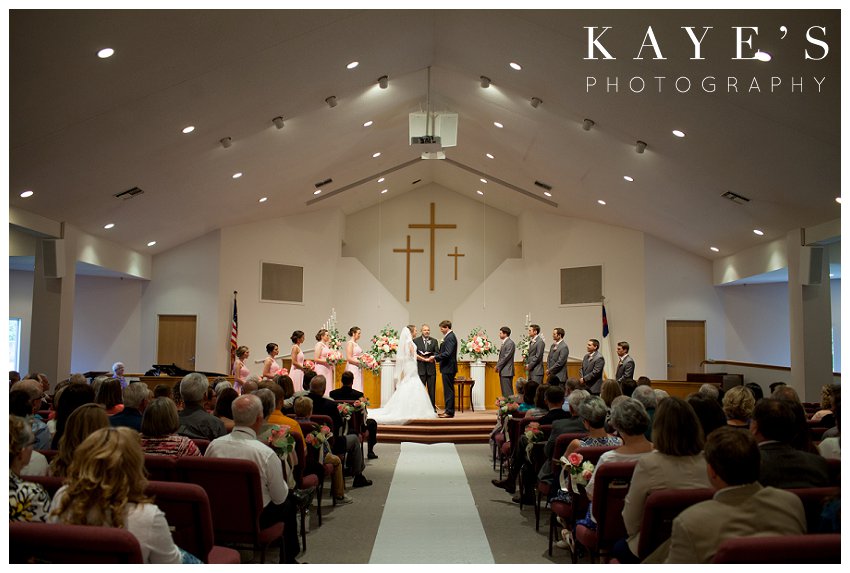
{"x":430,"y":515}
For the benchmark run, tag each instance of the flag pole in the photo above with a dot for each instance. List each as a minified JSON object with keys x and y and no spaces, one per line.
{"x":234,"y":333}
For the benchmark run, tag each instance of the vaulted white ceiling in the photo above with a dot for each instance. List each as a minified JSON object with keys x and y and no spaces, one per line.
{"x":83,"y":129}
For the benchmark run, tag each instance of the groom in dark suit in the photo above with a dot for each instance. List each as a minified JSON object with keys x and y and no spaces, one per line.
{"x":426,"y":347}
{"x":447,"y":357}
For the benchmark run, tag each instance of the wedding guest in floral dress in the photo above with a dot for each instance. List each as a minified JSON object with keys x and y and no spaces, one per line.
{"x":352,"y":355}
{"x":27,"y":501}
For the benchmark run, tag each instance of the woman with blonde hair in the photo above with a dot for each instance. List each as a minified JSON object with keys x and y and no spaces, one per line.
{"x":106,"y":485}
{"x":240,"y":371}
{"x":353,"y":352}
{"x":738,"y":405}
{"x":320,"y":357}
{"x":27,"y":501}
{"x":82,"y":422}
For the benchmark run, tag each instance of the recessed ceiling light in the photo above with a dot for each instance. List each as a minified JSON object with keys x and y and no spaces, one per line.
{"x":628,"y":178}
{"x":384,"y":191}
{"x":601,"y":202}
{"x":678,"y":133}
{"x":376,"y":154}
{"x":483,"y":180}
{"x":263,"y":199}
{"x":758,"y":232}
{"x":105,"y":53}
{"x":480,"y":192}
{"x":763,"y":56}
{"x":489,"y":156}
{"x":547,"y":193}
{"x":109,"y":225}
{"x":189,"y":129}
{"x":26,"y":194}
{"x":715,"y":249}
{"x":237,"y":175}
{"x":497,"y":124}
{"x":368,"y":123}
{"x":515,"y":66}
{"x":837,"y":200}
{"x":317,"y":191}
{"x":151,"y":243}
{"x":381,"y":180}
{"x":352,"y":65}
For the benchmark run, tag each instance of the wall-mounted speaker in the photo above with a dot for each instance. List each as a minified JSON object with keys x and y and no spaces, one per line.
{"x":811,"y":265}
{"x":53,"y":255}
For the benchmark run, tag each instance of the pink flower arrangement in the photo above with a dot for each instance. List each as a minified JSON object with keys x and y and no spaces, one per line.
{"x":477,"y":344}
{"x":335,"y":357}
{"x":343,"y":410}
{"x":533,"y":433}
{"x":309,"y":365}
{"x":318,"y":438}
{"x":368,"y":362}
{"x":580,"y":470}
{"x":575,"y":459}
{"x":279,"y":439}
{"x":385,"y":344}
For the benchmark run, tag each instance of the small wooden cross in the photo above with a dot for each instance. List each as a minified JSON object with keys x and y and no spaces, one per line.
{"x":408,"y":250}
{"x":456,"y":255}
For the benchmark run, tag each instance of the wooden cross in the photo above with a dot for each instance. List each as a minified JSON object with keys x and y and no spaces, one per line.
{"x":456,"y":255}
{"x":433,"y":226}
{"x":408,"y":250}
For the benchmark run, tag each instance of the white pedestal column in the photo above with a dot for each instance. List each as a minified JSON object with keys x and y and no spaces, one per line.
{"x":387,"y":373}
{"x":476,"y":372}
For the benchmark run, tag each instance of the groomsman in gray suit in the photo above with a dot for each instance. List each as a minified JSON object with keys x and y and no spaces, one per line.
{"x":626,"y":366}
{"x":505,"y":365}
{"x":426,"y":347}
{"x":558,"y":354}
{"x":534,"y":360}
{"x":591,"y":368}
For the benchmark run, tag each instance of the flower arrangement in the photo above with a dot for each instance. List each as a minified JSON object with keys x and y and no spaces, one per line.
{"x":523,"y":345}
{"x":336,"y":340}
{"x":335,"y":357}
{"x":359,"y":405}
{"x":309,"y":365}
{"x":580,"y":471}
{"x":506,"y":405}
{"x":343,"y":410}
{"x":477,"y":344}
{"x":318,"y":438}
{"x":385,"y":344}
{"x":279,"y":439}
{"x":368,"y":362}
{"x":533,"y":433}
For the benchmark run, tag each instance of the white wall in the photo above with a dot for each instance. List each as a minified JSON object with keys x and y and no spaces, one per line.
{"x":757,"y":323}
{"x":835,"y":291}
{"x":20,"y":306}
{"x":107,"y":324}
{"x":678,"y":287}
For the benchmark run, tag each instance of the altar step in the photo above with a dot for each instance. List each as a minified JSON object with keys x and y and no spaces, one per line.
{"x":465,"y":428}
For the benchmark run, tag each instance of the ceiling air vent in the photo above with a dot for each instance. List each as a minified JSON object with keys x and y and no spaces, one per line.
{"x":415,"y":182}
{"x":735,"y":198}
{"x":544,"y":185}
{"x":321,"y":184}
{"x":129,"y":193}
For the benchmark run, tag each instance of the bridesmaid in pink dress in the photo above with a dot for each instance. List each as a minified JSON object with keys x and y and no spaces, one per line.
{"x":240,"y":371}
{"x":352,"y":353}
{"x":270,"y":364}
{"x":320,"y":357}
{"x":296,"y":371}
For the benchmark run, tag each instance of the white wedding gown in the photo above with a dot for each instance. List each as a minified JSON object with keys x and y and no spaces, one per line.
{"x":410,"y":400}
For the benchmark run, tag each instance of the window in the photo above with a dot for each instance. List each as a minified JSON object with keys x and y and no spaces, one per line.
{"x":14,"y":343}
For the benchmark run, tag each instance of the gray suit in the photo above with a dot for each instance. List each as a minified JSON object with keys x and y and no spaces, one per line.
{"x":558,"y":361}
{"x":534,"y":360}
{"x":784,"y":467}
{"x":505,"y":366}
{"x":625,"y":369}
{"x":591,"y":371}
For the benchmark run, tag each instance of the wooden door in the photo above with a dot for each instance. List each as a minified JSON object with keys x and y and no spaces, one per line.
{"x":176,"y":340}
{"x":685,"y":347}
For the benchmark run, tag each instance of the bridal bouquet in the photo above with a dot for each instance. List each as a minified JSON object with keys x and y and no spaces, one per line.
{"x":385,"y":344}
{"x":477,"y":344}
{"x":335,"y":357}
{"x":368,"y":362}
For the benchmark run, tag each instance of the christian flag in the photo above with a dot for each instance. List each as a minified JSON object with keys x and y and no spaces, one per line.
{"x":610,"y":365}
{"x":234,"y":333}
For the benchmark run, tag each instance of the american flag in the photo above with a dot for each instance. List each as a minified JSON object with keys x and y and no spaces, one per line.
{"x":234,"y":333}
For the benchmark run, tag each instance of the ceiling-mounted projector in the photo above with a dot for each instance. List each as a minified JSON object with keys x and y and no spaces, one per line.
{"x":426,"y":143}
{"x":431,"y":142}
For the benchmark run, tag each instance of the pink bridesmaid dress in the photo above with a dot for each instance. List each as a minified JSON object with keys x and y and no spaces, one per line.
{"x":328,"y":373}
{"x":296,"y":373}
{"x":240,"y":372}
{"x":356,"y":370}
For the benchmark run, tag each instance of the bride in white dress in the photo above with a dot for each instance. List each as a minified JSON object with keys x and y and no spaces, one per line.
{"x":410,"y":400}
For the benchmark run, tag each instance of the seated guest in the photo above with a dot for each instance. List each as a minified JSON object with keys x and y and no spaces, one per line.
{"x":252,"y":384}
{"x":758,"y":393}
{"x":303,"y":411}
{"x":178,"y":397}
{"x":830,"y":448}
{"x":554,"y":399}
{"x":569,"y":425}
{"x":628,"y":387}
{"x":14,"y":376}
{"x":33,"y":390}
{"x":741,"y":507}
{"x":97,"y":381}
{"x":593,"y":413}
{"x":109,"y":394}
{"x":709,"y":412}
{"x":105,"y":486}
{"x":646,"y":396}
{"x":539,"y":407}
{"x":782,"y":465}
{"x":802,"y":439}
{"x":610,"y":390}
{"x":223,"y":407}
{"x":27,"y":501}
{"x":195,"y":422}
{"x":349,"y":444}
{"x":82,"y":423}
{"x":135,"y":400}
{"x":630,"y":419}
{"x":675,"y":463}
{"x":644,"y":381}
{"x":220,"y":385}
{"x":660,"y":394}
{"x":529,"y":393}
{"x":162,"y":391}
{"x":347,"y":392}
{"x":276,"y":416}
{"x":73,"y":396}
{"x":41,"y":378}
{"x":710,"y":391}
{"x":242,"y":444}
{"x":288,"y":387}
{"x":773,"y":386}
{"x":825,"y":416}
{"x":738,"y":404}
{"x":160,"y":423}
{"x":21,"y":405}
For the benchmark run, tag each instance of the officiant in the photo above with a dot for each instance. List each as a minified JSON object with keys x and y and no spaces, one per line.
{"x":426,"y":347}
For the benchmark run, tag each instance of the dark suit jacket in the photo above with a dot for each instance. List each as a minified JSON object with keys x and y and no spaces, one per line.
{"x":425,"y":368}
{"x":346,"y":393}
{"x":447,"y":356}
{"x":129,"y":417}
{"x":591,"y":371}
{"x":552,"y":415}
{"x":784,"y":467}
{"x":626,"y":369}
{"x":325,"y":407}
{"x":566,"y":425}
{"x":534,"y":360}
{"x":505,"y":364}
{"x":558,"y":362}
